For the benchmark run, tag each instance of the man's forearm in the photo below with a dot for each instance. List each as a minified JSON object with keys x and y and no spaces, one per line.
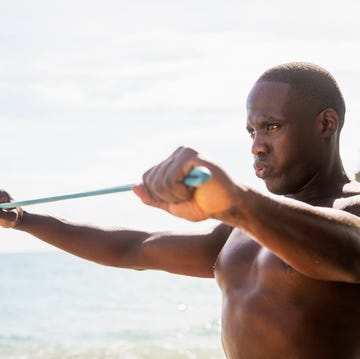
{"x":106,"y":247}
{"x":323,"y":243}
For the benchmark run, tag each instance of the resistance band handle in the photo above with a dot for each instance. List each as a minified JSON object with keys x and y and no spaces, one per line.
{"x":196,"y":177}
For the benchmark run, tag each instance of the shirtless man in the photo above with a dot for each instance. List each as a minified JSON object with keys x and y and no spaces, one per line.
{"x":288,"y":267}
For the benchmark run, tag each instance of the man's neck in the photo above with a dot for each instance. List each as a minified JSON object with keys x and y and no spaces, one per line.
{"x":323,"y":188}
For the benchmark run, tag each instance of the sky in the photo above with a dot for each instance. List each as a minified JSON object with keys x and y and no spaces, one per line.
{"x":93,"y":93}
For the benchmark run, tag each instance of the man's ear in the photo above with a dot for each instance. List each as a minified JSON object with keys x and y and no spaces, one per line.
{"x":328,"y":122}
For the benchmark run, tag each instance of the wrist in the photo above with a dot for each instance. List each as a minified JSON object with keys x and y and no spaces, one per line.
{"x":18,"y":218}
{"x":236,"y":209}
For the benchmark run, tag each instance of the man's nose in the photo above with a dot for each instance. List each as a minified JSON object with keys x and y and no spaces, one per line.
{"x":259,"y":146}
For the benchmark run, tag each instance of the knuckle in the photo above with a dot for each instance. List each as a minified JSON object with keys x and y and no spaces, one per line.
{"x":4,"y":196}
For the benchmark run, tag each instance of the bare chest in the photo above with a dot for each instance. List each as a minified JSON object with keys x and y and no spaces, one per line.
{"x":243,"y":263}
{"x":266,"y":301}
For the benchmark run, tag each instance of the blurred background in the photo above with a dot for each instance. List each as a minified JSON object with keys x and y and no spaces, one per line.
{"x":92,"y":94}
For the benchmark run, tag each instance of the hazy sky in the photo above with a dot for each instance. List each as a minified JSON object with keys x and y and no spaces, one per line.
{"x":93,"y":93}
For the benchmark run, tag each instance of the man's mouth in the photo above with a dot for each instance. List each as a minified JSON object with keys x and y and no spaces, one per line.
{"x":260,"y":170}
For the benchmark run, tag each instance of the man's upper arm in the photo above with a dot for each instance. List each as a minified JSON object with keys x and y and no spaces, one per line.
{"x":192,"y":255}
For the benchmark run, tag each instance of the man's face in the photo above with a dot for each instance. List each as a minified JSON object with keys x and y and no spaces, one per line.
{"x":285,"y":147}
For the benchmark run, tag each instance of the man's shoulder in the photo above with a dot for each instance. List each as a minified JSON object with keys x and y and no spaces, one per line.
{"x":352,"y":188}
{"x":350,"y":199}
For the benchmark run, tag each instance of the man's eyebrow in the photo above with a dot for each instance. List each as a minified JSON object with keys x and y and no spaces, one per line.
{"x":266,"y":119}
{"x":262,"y":122}
{"x":258,"y":120}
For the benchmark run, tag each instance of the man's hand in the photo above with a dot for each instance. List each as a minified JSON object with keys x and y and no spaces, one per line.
{"x":9,"y":218}
{"x":163,"y":187}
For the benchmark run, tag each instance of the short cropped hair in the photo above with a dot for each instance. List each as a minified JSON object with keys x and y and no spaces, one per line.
{"x":314,"y":84}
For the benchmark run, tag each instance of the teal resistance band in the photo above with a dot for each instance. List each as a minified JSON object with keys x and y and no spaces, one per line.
{"x":196,"y":177}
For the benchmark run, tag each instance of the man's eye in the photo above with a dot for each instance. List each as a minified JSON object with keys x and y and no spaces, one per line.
{"x":251,"y":132}
{"x":273,"y":126}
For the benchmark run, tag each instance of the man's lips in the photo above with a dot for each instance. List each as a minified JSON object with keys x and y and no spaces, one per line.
{"x":261,"y":169}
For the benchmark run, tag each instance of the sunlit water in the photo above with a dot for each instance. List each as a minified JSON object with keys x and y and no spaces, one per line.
{"x":54,"y":305}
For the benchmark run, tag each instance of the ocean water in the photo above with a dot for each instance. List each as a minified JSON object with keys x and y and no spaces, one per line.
{"x":57,"y":306}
